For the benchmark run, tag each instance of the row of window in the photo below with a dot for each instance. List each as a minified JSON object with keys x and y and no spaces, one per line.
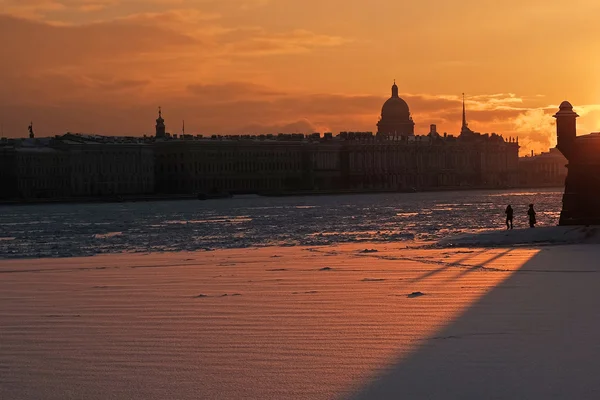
{"x":231,"y":154}
{"x":227,"y":184}
{"x":115,"y":188}
{"x":239,"y":167}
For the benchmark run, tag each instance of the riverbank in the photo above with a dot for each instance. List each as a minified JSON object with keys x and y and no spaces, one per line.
{"x":113,"y":199}
{"x":174,"y":197}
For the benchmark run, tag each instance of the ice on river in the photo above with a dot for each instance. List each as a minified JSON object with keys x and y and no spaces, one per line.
{"x":65,"y":230}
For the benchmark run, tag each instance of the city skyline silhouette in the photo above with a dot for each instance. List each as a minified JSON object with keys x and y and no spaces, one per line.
{"x":299,"y":199}
{"x":259,"y":67}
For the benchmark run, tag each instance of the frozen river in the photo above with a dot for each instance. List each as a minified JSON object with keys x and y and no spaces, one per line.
{"x":63,"y":230}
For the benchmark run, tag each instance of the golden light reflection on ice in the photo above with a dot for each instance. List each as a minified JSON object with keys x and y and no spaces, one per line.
{"x":271,"y":323}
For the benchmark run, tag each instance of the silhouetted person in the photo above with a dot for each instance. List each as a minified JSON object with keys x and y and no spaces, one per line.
{"x":531,"y":213}
{"x":509,"y":217}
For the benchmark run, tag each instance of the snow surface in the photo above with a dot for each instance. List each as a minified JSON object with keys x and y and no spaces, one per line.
{"x":480,"y":315}
{"x":551,"y":235}
{"x":299,"y":323}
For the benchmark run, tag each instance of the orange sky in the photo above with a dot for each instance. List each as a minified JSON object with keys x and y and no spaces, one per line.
{"x":248,"y":66}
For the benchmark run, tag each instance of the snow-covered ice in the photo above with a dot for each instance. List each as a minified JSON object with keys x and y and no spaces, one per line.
{"x":342,"y":305}
{"x":399,"y":323}
{"x":68,"y":230}
{"x":548,"y":235}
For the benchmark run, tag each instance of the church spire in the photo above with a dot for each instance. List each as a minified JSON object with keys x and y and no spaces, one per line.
{"x":464,"y":115}
{"x":464,"y":130}
{"x":160,"y":125}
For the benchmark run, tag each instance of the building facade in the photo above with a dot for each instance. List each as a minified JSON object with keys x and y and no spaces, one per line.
{"x":545,"y":169}
{"x":393,"y":159}
{"x":79,"y":166}
{"x":8,"y":170}
{"x":234,"y":164}
{"x":43,"y":173}
{"x":31,"y":169}
{"x":104,"y":166}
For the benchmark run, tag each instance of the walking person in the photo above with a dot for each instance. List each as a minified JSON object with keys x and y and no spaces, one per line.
{"x":509,"y":217}
{"x":531,"y":213}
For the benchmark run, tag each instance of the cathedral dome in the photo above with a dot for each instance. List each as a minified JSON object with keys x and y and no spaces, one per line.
{"x":395,"y":118}
{"x":395,"y":108}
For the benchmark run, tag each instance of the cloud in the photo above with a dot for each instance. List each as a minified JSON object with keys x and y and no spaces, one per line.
{"x":258,"y":42}
{"x":251,"y":4}
{"x":34,"y":9}
{"x":589,"y":120}
{"x":176,"y":19}
{"x":249,"y":108}
{"x":41,"y":46}
{"x":230,"y":91}
{"x":43,"y":10}
{"x":105,"y":65}
{"x":300,"y":126}
{"x":63,"y":63}
{"x":536,"y":128}
{"x":170,"y":35}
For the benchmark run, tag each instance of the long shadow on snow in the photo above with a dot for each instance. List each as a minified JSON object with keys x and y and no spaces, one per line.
{"x":534,"y":336}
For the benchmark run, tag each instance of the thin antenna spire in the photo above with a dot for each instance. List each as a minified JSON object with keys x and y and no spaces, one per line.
{"x":160,"y":111}
{"x":183,"y":127}
{"x":464,"y":113}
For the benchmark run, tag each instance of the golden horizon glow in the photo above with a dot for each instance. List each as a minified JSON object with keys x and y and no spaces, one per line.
{"x":249,"y":66}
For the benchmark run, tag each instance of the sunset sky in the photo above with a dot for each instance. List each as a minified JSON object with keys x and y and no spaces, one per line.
{"x":267,"y":66}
